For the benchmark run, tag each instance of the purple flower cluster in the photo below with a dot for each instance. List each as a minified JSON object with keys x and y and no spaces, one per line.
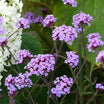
{"x":22,"y":22}
{"x":73,"y":3}
{"x":95,"y":41}
{"x":38,"y":19}
{"x":30,"y":17}
{"x":3,"y":41}
{"x":80,"y":19}
{"x":9,"y":82}
{"x":64,"y":33}
{"x":49,"y":21}
{"x":22,"y":55}
{"x":21,"y":81}
{"x":72,"y":59}
{"x":99,"y":87}
{"x":41,"y":64}
{"x":100,"y":57}
{"x":63,"y":85}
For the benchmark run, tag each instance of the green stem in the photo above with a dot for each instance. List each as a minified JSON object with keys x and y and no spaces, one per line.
{"x":30,"y":96}
{"x":81,"y":76}
{"x":12,"y":57}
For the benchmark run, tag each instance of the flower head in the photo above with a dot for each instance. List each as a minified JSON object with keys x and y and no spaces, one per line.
{"x":49,"y":21}
{"x":64,"y":33}
{"x":100,"y":57}
{"x":3,"y":41}
{"x":38,"y":19}
{"x":22,"y":22}
{"x":41,"y":64}
{"x":94,"y":42}
{"x":22,"y":55}
{"x":62,"y":86}
{"x":73,"y":3}
{"x":30,"y":17}
{"x":80,"y":19}
{"x":22,"y":80}
{"x":72,"y":59}
{"x":99,"y":87}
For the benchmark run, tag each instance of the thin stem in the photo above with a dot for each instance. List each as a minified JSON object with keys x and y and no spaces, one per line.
{"x":30,"y":96}
{"x":63,"y":99}
{"x":92,"y":98}
{"x":83,"y":42}
{"x":81,"y":68}
{"x":13,"y":57}
{"x":64,"y":14}
{"x":96,"y":19}
{"x":62,"y":57}
{"x":48,"y":97}
{"x":12,"y":66}
{"x":79,"y":43}
{"x":14,"y":33}
{"x":55,"y":46}
{"x":11,"y":63}
{"x":83,"y":5}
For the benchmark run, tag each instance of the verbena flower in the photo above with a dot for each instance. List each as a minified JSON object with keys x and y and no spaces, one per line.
{"x":22,"y":80}
{"x":64,"y":33}
{"x":38,"y":19}
{"x":80,"y":19}
{"x":30,"y":17}
{"x":99,"y":87}
{"x":9,"y":82}
{"x":72,"y":59}
{"x":22,"y":22}
{"x":22,"y":55}
{"x":49,"y":21}
{"x":41,"y":64}
{"x":15,"y":83}
{"x":73,"y":3}
{"x":3,"y":41}
{"x":94,"y":42}
{"x":100,"y":57}
{"x":62,"y":86}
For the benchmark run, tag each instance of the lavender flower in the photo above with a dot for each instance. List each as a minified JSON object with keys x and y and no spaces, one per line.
{"x":63,"y":85}
{"x":99,"y":87}
{"x":22,"y":55}
{"x":22,"y":22}
{"x":80,"y":19}
{"x":73,"y":3}
{"x":64,"y":33}
{"x":30,"y":17}
{"x":3,"y":41}
{"x":38,"y":19}
{"x":49,"y":21}
{"x":94,"y":42}
{"x":72,"y":59}
{"x":41,"y":64}
{"x":22,"y":81}
{"x":100,"y":57}
{"x":9,"y":82}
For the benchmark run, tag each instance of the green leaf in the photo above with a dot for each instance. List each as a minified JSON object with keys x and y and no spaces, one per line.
{"x":30,"y":43}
